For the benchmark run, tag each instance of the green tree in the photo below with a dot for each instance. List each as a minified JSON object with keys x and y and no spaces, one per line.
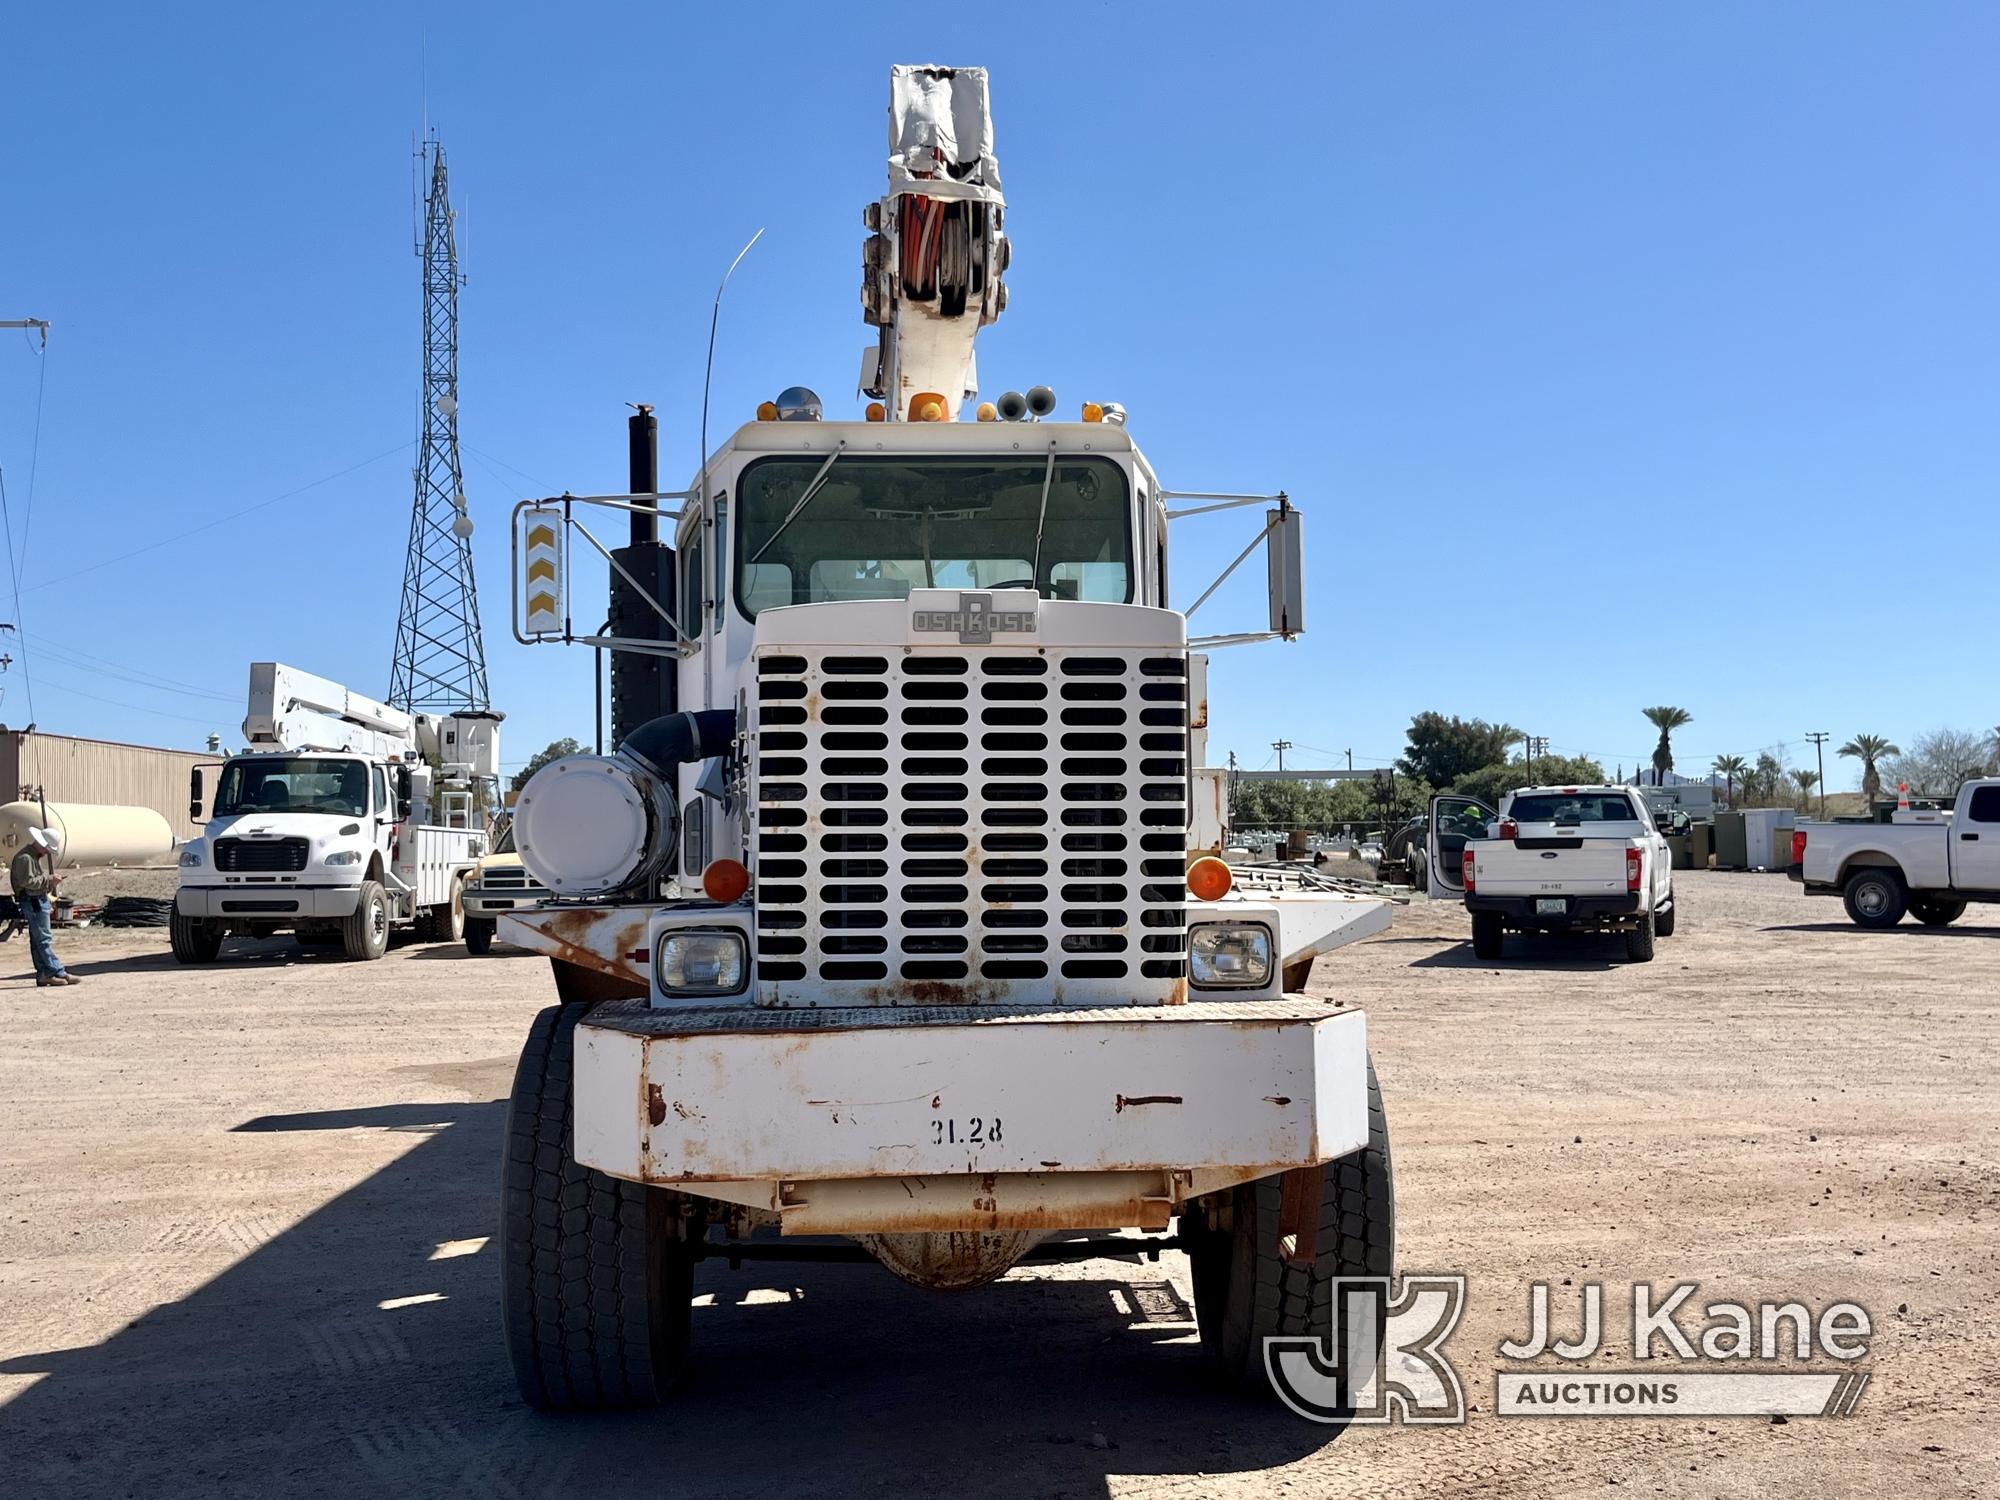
{"x":1760,"y":782}
{"x":1444,"y":749}
{"x":554,"y":750}
{"x":1666,"y":720}
{"x":1729,"y":767}
{"x":1489,"y":783}
{"x":1871,"y":750}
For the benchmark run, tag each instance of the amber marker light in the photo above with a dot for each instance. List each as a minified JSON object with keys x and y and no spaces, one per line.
{"x":725,"y":880}
{"x":1208,"y":879}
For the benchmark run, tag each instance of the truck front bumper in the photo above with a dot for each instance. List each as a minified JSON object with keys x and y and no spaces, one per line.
{"x":1519,"y":913}
{"x":480,"y":903}
{"x":267,"y":903}
{"x":884,"y":1119}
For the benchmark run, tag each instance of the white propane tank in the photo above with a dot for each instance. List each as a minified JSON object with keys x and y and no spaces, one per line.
{"x":91,"y":834}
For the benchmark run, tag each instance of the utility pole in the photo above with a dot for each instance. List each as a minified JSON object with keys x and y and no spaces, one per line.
{"x":1818,"y":739}
{"x":41,"y":324}
{"x":440,"y":661}
{"x":1537,"y":745}
{"x":1350,"y":760}
{"x":1281,"y":746}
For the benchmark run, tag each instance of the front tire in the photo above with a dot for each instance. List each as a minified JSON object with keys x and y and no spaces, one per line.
{"x":1489,"y":938}
{"x":479,"y":935}
{"x":1246,"y":1291}
{"x":1639,"y":941}
{"x":194,"y":940}
{"x":1875,"y":898}
{"x":365,"y":934}
{"x":1933,"y":911}
{"x":596,"y":1274}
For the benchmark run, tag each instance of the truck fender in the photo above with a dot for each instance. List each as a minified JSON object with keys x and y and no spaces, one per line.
{"x":1870,"y":859}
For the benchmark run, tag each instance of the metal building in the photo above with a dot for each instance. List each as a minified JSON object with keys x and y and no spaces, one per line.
{"x":70,"y":769}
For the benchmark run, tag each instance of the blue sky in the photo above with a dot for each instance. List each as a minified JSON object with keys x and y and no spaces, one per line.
{"x":1620,"y":355}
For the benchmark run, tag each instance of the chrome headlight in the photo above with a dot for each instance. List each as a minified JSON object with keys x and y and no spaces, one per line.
{"x":701,"y":963}
{"x":1229,"y":955}
{"x":191,"y":858}
{"x":344,"y":857}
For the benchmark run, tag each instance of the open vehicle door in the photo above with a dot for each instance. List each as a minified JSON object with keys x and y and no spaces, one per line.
{"x":1453,"y":820}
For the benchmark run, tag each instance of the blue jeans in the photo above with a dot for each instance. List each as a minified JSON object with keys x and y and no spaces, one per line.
{"x":41,"y":941}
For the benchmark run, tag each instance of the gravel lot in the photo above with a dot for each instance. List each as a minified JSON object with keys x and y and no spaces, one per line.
{"x":242,"y":1210}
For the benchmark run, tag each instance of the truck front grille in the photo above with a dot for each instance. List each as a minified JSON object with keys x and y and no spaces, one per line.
{"x":986,"y":825}
{"x":261,"y":856}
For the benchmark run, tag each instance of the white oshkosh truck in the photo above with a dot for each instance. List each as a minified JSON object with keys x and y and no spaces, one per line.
{"x":898,"y":919}
{"x":341,"y":820}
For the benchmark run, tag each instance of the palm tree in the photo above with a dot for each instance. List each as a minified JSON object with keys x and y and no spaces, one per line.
{"x":1666,"y":720}
{"x":1869,"y":749}
{"x":1729,"y":767}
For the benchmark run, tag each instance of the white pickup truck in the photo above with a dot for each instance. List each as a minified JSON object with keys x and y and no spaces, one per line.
{"x":1554,"y":859}
{"x":1929,"y":864}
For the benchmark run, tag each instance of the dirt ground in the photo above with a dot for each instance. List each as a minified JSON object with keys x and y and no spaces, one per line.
{"x":244,"y":1210}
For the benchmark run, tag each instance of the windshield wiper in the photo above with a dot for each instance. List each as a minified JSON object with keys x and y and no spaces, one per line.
{"x":812,"y":489}
{"x":1041,"y":520}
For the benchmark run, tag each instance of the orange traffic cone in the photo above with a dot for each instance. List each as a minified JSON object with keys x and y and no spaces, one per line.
{"x":1902,"y":796}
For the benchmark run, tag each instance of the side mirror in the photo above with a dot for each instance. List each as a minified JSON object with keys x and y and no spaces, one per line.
{"x":403,"y":794}
{"x":194,"y":795}
{"x":1285,"y":555}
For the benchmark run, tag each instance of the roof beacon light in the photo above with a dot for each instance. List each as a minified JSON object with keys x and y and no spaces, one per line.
{"x":767,"y":411}
{"x":1092,"y":412}
{"x":877,"y":412}
{"x":927,"y":406}
{"x":797,"y":403}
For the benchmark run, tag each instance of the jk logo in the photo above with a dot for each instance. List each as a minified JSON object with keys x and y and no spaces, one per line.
{"x":1384,"y":1360}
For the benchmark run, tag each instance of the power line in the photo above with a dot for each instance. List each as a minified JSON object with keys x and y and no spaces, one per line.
{"x":218,"y":521}
{"x":540,"y":484}
{"x":63,"y":687}
{"x":71,"y":656}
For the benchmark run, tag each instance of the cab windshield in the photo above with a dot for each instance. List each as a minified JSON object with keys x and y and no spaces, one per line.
{"x":875,"y":528}
{"x":293,"y":784}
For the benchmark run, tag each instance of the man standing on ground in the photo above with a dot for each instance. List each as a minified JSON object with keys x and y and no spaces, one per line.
{"x":35,"y":880}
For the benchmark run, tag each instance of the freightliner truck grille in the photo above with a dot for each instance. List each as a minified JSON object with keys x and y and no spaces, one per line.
{"x":990,"y":825}
{"x":260,"y":855}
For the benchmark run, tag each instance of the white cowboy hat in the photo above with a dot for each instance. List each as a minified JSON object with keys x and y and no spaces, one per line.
{"x":50,"y":839}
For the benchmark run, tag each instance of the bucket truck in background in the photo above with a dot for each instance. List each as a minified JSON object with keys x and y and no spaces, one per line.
{"x":343,"y":819}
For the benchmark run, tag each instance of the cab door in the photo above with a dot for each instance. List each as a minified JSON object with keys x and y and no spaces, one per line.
{"x":1453,"y":821}
{"x":1975,"y":841}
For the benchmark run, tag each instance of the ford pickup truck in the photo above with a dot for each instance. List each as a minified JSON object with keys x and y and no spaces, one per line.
{"x":1554,"y":859}
{"x":1924,"y":863}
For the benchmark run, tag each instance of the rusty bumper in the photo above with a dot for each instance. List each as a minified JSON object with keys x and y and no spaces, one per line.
{"x":960,"y":1117}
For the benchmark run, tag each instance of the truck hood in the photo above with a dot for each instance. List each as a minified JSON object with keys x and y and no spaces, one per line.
{"x":278,"y":825}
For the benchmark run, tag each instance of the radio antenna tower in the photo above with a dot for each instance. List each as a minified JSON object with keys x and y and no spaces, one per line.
{"x":440,"y":660}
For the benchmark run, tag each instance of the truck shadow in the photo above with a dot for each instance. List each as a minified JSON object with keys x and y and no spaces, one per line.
{"x":1902,"y":930}
{"x":1559,"y":951}
{"x":360,"y":1352}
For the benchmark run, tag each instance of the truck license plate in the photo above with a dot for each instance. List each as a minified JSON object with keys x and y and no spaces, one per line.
{"x":1551,"y":906}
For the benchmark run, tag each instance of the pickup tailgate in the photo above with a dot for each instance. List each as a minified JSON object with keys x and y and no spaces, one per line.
{"x":1546,"y":861}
